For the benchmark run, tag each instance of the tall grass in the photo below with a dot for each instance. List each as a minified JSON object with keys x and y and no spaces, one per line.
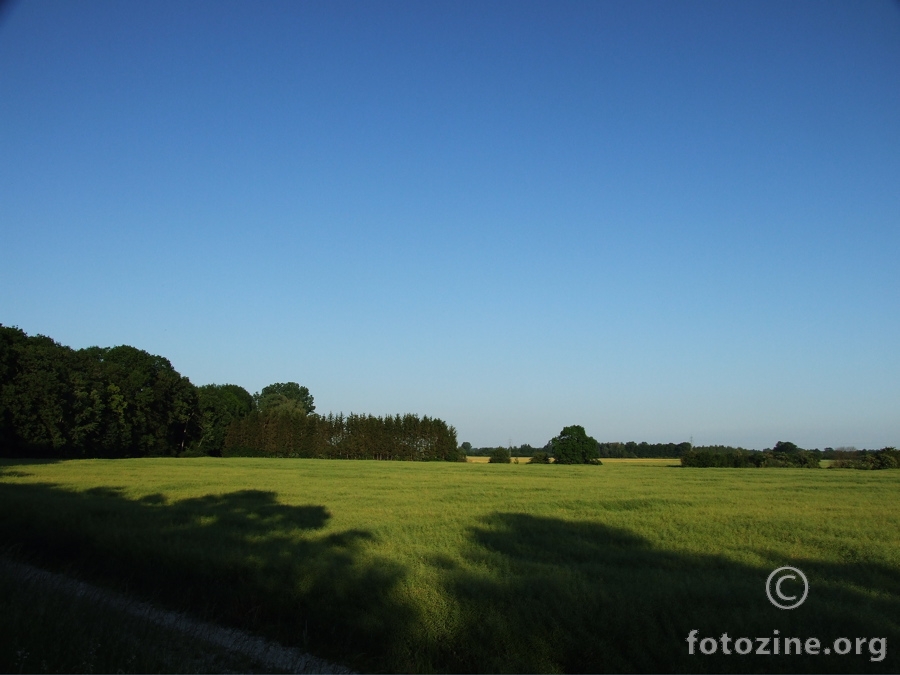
{"x":480,"y":567}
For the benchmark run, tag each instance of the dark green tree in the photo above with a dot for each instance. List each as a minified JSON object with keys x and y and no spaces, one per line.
{"x":499,"y":456}
{"x":786,"y":447}
{"x":156,"y":406}
{"x":219,"y":406}
{"x":95,"y":402}
{"x":285,"y":394}
{"x":36,"y":405}
{"x":574,"y":446}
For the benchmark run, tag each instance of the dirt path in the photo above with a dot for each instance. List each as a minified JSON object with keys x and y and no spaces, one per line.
{"x":269,"y":655}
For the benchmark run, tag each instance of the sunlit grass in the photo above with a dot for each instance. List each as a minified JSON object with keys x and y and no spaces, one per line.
{"x":446,"y":566}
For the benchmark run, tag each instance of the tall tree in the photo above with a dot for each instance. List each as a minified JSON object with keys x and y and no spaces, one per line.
{"x":219,"y":406}
{"x":35,"y":397}
{"x":574,"y":446}
{"x":156,"y":408}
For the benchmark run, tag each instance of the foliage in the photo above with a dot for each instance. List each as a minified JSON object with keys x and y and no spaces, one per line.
{"x":574,"y":446}
{"x":784,"y":455}
{"x":285,"y":395}
{"x":124,"y":402}
{"x":220,"y":405}
{"x":539,"y":457}
{"x":500,"y":456}
{"x":886,"y":458}
{"x":287,"y":432}
{"x":523,"y":450}
{"x":643,"y":449}
{"x":94,"y":402}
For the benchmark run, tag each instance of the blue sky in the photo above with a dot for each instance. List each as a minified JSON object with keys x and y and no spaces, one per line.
{"x":659,"y":220}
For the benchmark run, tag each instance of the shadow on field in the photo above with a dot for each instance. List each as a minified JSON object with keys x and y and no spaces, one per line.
{"x":239,"y":559}
{"x":584,"y":597}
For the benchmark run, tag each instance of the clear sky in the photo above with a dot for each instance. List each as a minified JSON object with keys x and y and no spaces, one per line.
{"x":659,"y":220}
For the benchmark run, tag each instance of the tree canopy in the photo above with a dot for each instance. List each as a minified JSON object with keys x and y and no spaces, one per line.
{"x":94,"y":402}
{"x":574,"y":446}
{"x":288,"y":395}
{"x":124,"y":402}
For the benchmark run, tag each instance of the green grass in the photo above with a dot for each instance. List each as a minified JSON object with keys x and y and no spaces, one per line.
{"x":480,"y":567}
{"x":47,"y":629}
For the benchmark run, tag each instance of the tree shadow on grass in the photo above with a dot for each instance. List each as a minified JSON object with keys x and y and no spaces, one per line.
{"x":240,"y":559}
{"x":550,"y":595}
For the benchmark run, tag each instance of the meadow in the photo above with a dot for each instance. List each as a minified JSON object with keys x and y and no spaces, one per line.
{"x":476,"y":567}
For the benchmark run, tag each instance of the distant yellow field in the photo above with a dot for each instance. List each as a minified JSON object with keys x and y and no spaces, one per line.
{"x":666,"y":461}
{"x":484,"y":460}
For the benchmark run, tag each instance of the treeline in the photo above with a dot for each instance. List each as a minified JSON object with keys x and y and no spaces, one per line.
{"x":628,"y":450}
{"x":632,"y":450}
{"x":283,"y":434}
{"x":787,"y":454}
{"x":524,"y":450}
{"x":797,"y":458}
{"x":886,"y":458}
{"x":97,"y":402}
{"x":124,"y":402}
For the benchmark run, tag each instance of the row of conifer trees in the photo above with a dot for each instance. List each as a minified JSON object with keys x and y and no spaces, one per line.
{"x":277,"y":433}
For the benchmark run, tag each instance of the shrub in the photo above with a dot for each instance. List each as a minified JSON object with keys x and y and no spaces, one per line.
{"x":499,"y":456}
{"x":539,"y":457}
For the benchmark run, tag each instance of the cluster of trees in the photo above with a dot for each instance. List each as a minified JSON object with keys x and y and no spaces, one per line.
{"x":787,"y":454}
{"x":784,"y":454}
{"x":572,"y":446}
{"x":97,"y":402}
{"x":281,"y":432}
{"x":634,"y":450}
{"x":124,"y":402}
{"x":886,"y":458}
{"x":630,"y":449}
{"x":524,"y":450}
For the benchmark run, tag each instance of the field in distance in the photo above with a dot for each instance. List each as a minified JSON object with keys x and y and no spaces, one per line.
{"x":474,"y":459}
{"x":476,"y":567}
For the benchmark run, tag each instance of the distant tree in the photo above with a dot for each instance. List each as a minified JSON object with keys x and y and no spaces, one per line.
{"x":539,"y":457}
{"x":284,"y":394}
{"x":574,"y":446}
{"x":786,"y":447}
{"x":499,"y":456}
{"x":886,"y":458}
{"x":466,"y":447}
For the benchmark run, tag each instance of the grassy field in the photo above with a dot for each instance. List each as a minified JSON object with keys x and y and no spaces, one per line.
{"x":479,"y":567}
